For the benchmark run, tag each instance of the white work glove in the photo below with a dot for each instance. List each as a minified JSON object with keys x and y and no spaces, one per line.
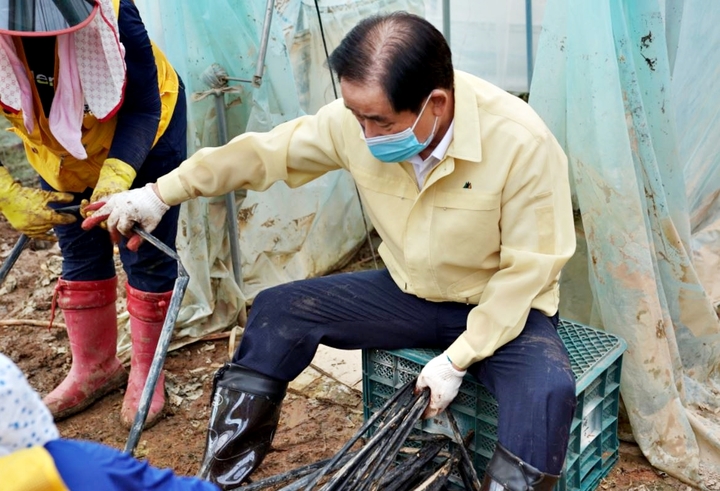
{"x":444,"y":382}
{"x":122,"y":211}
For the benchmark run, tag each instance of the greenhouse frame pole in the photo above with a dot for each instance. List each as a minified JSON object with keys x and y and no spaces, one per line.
{"x":529,"y":41}
{"x":446,"y":20}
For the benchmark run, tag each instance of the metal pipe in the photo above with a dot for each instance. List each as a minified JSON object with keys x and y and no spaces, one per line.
{"x":23,"y":241}
{"x":230,"y":204}
{"x":260,"y":66}
{"x":529,"y":41}
{"x":446,"y":20}
{"x":178,"y":293}
{"x":217,"y":78}
{"x":14,"y":255}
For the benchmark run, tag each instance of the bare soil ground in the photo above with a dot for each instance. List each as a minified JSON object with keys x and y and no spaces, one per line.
{"x":311,"y":428}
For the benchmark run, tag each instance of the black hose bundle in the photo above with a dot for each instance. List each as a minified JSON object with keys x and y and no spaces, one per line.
{"x":385,"y":462}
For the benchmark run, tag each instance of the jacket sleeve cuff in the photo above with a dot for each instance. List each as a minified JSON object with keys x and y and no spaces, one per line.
{"x":462,"y":354}
{"x":171,"y":190}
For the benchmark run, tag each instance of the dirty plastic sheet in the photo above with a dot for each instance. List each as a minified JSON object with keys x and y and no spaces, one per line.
{"x":285,"y":234}
{"x":488,"y":38}
{"x":695,"y":92}
{"x":300,"y":24}
{"x":643,"y":153}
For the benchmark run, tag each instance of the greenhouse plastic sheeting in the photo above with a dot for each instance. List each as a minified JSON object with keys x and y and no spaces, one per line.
{"x":643,"y":152}
{"x":488,"y":38}
{"x":285,"y":234}
{"x":696,"y":92}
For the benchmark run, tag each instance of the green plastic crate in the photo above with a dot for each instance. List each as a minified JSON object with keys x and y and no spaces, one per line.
{"x":596,"y":360}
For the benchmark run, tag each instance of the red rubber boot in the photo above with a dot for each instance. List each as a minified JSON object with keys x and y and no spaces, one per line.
{"x":89,"y":310}
{"x":147,"y":314}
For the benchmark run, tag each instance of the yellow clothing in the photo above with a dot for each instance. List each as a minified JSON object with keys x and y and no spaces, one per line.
{"x":31,"y":469}
{"x":492,"y":224}
{"x":48,"y":157}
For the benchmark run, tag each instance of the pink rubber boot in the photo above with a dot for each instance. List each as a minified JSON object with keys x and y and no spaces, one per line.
{"x":89,"y":310}
{"x":147,"y":314}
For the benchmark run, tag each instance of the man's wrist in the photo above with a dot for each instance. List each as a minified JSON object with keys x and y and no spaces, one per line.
{"x":455,"y":367}
{"x":155,"y":189}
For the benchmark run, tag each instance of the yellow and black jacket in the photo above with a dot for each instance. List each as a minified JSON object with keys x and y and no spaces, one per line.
{"x":151,"y":93}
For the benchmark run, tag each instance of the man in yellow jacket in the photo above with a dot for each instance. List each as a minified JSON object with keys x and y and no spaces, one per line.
{"x":468,"y":190}
{"x":99,"y":110}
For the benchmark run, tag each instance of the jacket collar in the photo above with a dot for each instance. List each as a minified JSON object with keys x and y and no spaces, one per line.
{"x":466,"y":144}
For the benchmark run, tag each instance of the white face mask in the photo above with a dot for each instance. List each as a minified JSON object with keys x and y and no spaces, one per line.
{"x":398,"y":147}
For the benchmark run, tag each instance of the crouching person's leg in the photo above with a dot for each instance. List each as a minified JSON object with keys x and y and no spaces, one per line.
{"x":534,"y":385}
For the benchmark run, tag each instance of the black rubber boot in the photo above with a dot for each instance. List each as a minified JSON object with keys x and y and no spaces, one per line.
{"x":506,"y":472}
{"x":245,"y":413}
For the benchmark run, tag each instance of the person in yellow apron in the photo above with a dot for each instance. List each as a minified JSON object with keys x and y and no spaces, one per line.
{"x":99,"y":110}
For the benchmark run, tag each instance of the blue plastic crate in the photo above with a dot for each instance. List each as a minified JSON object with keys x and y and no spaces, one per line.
{"x":596,"y":360}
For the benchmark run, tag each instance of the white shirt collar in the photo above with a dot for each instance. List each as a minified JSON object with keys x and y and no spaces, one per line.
{"x":438,"y":152}
{"x":423,"y":167}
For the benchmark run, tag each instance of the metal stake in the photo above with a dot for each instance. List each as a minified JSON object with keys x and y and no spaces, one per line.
{"x":179,"y":288}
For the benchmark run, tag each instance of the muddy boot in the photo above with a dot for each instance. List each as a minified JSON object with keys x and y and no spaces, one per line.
{"x":147,"y":314}
{"x":89,"y":310}
{"x":506,"y":472}
{"x":245,"y":413}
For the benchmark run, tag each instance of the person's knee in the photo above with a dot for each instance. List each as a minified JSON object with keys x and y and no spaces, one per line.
{"x":270,"y":306}
{"x":560,"y":393}
{"x":152,"y":274}
{"x":269,"y":296}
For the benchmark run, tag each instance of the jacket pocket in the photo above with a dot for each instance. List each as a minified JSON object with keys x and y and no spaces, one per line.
{"x":467,"y":200}
{"x":465,"y":233}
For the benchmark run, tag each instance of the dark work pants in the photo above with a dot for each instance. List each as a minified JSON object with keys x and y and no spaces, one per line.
{"x":88,"y":255}
{"x":530,"y":376}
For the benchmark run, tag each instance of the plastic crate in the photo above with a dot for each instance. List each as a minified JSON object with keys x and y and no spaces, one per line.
{"x":596,"y":360}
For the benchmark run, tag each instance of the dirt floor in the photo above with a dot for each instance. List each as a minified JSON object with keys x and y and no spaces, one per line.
{"x":310,"y":429}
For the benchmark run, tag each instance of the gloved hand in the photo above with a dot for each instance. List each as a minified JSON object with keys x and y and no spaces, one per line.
{"x":444,"y":382}
{"x":26,"y":208}
{"x":122,"y":211}
{"x":115,"y":177}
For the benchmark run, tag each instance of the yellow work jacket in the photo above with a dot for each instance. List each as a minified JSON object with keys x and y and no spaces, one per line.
{"x":492,"y":225}
{"x":30,"y":469}
{"x":49,"y":159}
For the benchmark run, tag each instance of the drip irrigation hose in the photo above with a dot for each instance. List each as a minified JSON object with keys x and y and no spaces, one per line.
{"x":371,"y":421}
{"x":341,"y":476}
{"x":404,"y":471}
{"x":385,"y":441}
{"x":376,"y":466}
{"x":297,"y":473}
{"x":466,"y":462}
{"x":398,"y":440}
{"x":439,"y":478}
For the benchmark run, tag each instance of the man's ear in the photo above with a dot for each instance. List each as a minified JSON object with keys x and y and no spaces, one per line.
{"x":439,"y":101}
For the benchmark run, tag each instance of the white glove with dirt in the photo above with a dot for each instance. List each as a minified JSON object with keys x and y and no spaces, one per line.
{"x":444,"y":382}
{"x":122,"y":211}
